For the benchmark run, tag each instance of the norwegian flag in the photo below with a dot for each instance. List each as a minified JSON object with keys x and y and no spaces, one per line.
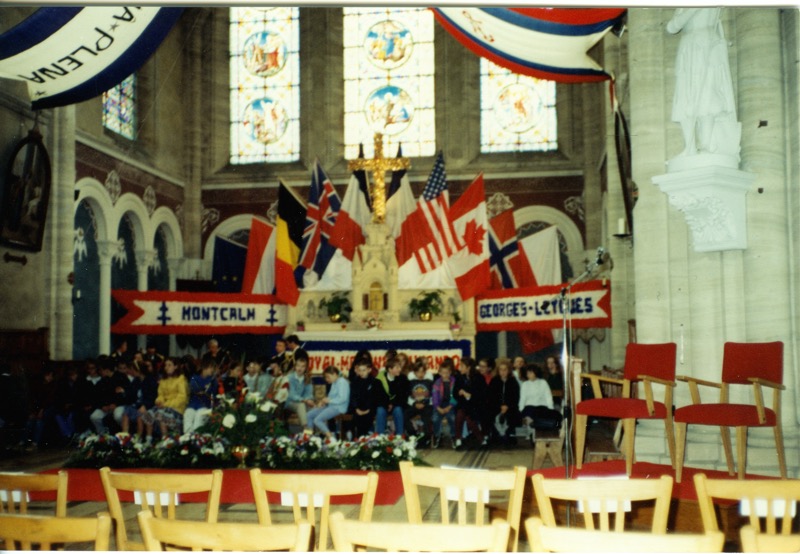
{"x":506,"y":267}
{"x":323,"y":207}
{"x":428,"y":232}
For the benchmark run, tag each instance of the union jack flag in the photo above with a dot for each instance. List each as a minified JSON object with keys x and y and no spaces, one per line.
{"x":323,"y":207}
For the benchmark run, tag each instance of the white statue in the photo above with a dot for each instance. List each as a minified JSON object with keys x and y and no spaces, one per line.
{"x":703,"y":103}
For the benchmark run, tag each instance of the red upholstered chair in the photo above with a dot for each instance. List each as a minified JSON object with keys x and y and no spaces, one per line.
{"x":759,"y":364}
{"x":648,"y":363}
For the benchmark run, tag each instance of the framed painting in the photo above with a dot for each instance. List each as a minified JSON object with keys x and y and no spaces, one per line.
{"x":26,"y":194}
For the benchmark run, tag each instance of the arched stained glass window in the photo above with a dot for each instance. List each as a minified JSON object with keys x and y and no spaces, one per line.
{"x":388,"y":80}
{"x":119,"y":108}
{"x":264,"y":85}
{"x":518,"y":113}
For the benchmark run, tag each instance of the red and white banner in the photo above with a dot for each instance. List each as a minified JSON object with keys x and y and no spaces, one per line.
{"x":541,"y":307}
{"x":193,"y":313}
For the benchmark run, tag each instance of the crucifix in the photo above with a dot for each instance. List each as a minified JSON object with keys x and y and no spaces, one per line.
{"x":378,"y":165}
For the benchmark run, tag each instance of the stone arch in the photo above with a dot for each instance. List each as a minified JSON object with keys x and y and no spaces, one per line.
{"x":96,"y":196}
{"x":224,"y":229}
{"x":562,"y":221}
{"x":143,"y":231}
{"x":165,"y":217}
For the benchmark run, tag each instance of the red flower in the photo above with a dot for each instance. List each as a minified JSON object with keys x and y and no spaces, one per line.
{"x":388,"y":449}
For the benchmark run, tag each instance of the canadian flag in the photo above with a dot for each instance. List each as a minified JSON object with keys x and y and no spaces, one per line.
{"x":470,"y":265}
{"x":259,"y":267}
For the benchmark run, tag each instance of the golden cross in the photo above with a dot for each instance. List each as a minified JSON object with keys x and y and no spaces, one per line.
{"x":378,"y":165}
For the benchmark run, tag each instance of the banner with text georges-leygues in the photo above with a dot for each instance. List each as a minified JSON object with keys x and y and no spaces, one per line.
{"x":541,"y":307}
{"x":193,"y":313}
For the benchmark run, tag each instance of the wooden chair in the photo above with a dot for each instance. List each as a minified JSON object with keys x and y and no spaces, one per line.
{"x":47,"y":531}
{"x":759,"y":364}
{"x":755,"y":541}
{"x":418,"y":537}
{"x":648,"y":363}
{"x":311,"y":491}
{"x":604,"y":498}
{"x":465,"y":486}
{"x":15,"y":489}
{"x":157,"y":491}
{"x":162,"y":534}
{"x":544,"y":538}
{"x":770,"y":500}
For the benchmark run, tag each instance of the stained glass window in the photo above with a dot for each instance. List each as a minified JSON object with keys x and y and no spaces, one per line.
{"x":119,"y":108}
{"x":518,"y":113}
{"x":264,"y":85}
{"x":388,"y":80}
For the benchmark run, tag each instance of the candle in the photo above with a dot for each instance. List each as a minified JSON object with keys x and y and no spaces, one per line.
{"x":621,"y":227}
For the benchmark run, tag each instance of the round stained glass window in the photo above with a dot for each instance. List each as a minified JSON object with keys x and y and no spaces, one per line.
{"x":388,"y":44}
{"x":264,"y":53}
{"x":518,"y":108}
{"x":389,"y":110}
{"x":265,"y":120}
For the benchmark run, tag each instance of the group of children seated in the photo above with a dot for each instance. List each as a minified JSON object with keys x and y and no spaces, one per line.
{"x":150,"y":394}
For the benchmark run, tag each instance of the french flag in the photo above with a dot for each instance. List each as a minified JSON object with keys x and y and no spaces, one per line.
{"x":354,"y":215}
{"x":470,"y":265}
{"x":259,"y":267}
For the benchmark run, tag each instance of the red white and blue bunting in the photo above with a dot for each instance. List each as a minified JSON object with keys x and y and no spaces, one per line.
{"x":548,"y":43}
{"x":541,"y":307}
{"x":192,"y":313}
{"x":68,"y":55}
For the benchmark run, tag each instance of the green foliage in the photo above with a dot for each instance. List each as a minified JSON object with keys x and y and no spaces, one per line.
{"x":427,"y":302}
{"x":337,"y":304}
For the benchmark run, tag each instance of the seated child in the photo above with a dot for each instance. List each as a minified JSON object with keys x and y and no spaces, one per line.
{"x":334,"y":404}
{"x":418,"y":413}
{"x":444,"y":402}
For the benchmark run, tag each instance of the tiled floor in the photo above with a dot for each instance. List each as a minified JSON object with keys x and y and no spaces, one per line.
{"x":494,"y":458}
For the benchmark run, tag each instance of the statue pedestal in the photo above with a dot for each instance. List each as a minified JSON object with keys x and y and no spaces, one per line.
{"x":713,"y":201}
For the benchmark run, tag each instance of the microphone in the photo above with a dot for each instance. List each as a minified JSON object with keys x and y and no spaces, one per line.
{"x":600,"y":252}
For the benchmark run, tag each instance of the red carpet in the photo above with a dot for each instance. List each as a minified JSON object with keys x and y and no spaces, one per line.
{"x":85,"y":485}
{"x":644,"y":470}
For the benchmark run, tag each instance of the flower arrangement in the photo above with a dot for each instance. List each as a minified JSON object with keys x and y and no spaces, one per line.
{"x":302,"y":451}
{"x":372,"y":321}
{"x":244,"y":421}
{"x":202,"y":450}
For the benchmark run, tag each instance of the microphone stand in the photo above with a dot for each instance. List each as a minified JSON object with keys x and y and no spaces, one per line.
{"x":563,"y":300}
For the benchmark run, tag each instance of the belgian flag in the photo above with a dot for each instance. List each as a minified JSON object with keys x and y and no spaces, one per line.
{"x":289,"y":242}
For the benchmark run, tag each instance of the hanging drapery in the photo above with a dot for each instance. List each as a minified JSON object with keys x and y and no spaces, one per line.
{"x":68,"y":55}
{"x":548,"y":43}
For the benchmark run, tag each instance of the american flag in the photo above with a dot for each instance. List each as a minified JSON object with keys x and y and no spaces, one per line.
{"x":323,"y":207}
{"x":434,"y":207}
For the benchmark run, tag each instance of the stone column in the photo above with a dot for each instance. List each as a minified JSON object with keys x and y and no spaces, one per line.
{"x":144,"y":259}
{"x":105,"y":252}
{"x":60,"y":231}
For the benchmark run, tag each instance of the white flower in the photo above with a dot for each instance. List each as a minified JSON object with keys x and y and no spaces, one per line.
{"x":250,"y":418}
{"x":253,"y":397}
{"x":375,"y":454}
{"x":229,"y":421}
{"x":268,"y":406}
{"x":398,"y":452}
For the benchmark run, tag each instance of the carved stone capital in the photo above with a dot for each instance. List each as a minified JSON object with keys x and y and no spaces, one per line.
{"x":713,"y":201}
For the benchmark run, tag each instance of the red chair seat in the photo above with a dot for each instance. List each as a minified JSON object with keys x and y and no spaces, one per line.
{"x":724,"y":415}
{"x":621,"y":408}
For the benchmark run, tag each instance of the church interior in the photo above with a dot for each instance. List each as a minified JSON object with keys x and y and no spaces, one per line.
{"x":699,"y":242}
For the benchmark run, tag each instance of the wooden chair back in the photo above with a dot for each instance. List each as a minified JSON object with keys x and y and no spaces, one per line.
{"x":158,"y":492}
{"x":309,"y":491}
{"x":604,"y":500}
{"x":544,"y":538}
{"x":14,"y":489}
{"x":160,"y":534}
{"x":755,"y":541}
{"x":348,"y":535}
{"x":465,"y":487}
{"x":48,"y":533}
{"x":771,"y":503}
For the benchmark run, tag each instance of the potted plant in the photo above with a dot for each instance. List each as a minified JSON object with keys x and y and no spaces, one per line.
{"x":456,"y":325}
{"x":426,"y":305}
{"x":337,"y":306}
